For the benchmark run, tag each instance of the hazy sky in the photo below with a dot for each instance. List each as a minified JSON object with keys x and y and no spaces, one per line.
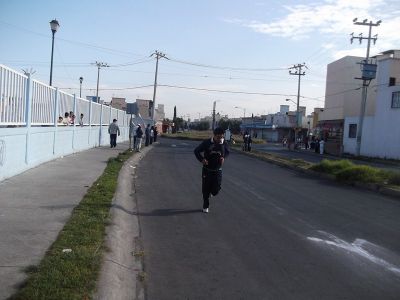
{"x":242,"y":47}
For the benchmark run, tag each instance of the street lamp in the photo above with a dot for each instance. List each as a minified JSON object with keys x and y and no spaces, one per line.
{"x":54,"y":25}
{"x":244,"y":111}
{"x":291,"y":100}
{"x":80,"y":86}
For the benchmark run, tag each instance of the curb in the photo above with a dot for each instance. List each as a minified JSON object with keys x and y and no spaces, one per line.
{"x":121,"y":267}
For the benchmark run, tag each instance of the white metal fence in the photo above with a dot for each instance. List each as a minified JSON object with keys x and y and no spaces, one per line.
{"x":27,"y":102}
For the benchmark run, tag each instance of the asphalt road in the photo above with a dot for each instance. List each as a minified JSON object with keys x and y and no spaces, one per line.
{"x":270,"y":234}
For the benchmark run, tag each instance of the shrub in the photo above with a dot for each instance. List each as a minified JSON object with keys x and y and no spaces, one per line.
{"x":394,"y":178}
{"x":332,"y":166}
{"x":362,"y":174}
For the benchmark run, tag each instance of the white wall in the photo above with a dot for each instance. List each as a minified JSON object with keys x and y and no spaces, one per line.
{"x":22,"y":148}
{"x":386,"y":142}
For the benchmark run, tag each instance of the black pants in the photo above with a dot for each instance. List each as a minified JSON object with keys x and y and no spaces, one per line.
{"x":211,"y":184}
{"x":113,"y":140}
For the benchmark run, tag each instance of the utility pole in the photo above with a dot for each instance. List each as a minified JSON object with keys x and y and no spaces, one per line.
{"x":213,"y":119}
{"x":80,"y":86}
{"x":298,"y":73}
{"x":366,"y":76}
{"x":99,"y":65}
{"x":158,"y":55}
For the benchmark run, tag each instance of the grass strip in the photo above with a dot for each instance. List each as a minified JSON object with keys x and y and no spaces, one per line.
{"x":72,"y":275}
{"x":348,"y":172}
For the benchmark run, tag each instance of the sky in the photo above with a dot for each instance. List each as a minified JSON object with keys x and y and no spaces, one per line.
{"x":234,"y":53}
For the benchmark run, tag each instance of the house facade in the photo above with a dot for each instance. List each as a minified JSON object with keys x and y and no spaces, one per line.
{"x":342,"y":100}
{"x":381,"y":131}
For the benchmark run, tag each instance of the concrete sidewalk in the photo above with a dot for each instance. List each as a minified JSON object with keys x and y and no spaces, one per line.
{"x":35,"y":205}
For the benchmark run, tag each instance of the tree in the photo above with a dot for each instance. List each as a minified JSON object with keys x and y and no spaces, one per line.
{"x":234,"y":125}
{"x":201,"y":126}
{"x":174,"y":121}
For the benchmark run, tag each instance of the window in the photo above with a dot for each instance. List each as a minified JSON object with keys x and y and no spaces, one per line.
{"x":396,"y":99}
{"x":392,"y":81}
{"x":352,"y":131}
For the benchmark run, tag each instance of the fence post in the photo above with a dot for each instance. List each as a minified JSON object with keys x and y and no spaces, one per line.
{"x":101,"y":122}
{"x":28,"y":116}
{"x":75,"y":119}
{"x":90,"y":121}
{"x":56,"y":113}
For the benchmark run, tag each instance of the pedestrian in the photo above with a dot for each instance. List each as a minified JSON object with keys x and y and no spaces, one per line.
{"x":67,"y":119}
{"x":321,"y":146}
{"x":306,"y":140}
{"x":81,"y":120}
{"x":113,"y":130}
{"x":212,"y":153}
{"x":151,"y":134}
{"x":155,"y":134}
{"x":139,"y":135}
{"x":316,"y":145}
{"x":284,"y":142}
{"x":147,"y":133}
{"x":132,"y":134}
{"x":246,"y":138}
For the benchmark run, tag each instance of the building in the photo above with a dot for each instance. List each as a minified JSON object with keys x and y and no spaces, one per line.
{"x":342,"y":100}
{"x":93,"y":99}
{"x":381,"y":130}
{"x":275,"y":127}
{"x":119,"y":103}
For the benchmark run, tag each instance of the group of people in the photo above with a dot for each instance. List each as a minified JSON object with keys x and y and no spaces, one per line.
{"x":136,"y":132}
{"x":315,"y":144}
{"x":247,"y":141}
{"x":69,"y":119}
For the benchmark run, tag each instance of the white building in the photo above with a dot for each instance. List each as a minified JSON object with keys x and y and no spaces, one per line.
{"x":342,"y":100}
{"x":381,"y":131}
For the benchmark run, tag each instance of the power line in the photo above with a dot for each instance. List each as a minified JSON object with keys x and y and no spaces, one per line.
{"x":225,"y":68}
{"x":224,"y":91}
{"x":109,"y":89}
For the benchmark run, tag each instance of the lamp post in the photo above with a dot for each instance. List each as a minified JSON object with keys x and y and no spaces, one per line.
{"x":80,"y":86}
{"x":54,"y":25}
{"x":244,"y":111}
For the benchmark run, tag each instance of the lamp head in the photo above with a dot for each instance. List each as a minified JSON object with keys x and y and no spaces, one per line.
{"x":54,"y":25}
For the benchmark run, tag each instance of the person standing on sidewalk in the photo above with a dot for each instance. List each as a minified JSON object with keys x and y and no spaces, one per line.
{"x":214,"y":150}
{"x":147,"y":133}
{"x":113,"y":130}
{"x":155,"y":133}
{"x":139,"y":135}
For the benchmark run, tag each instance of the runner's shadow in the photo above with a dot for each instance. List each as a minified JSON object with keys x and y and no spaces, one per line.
{"x":168,"y":212}
{"x":157,"y":212}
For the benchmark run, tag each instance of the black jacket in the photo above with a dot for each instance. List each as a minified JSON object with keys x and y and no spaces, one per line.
{"x":139,"y":132}
{"x":212,"y":152}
